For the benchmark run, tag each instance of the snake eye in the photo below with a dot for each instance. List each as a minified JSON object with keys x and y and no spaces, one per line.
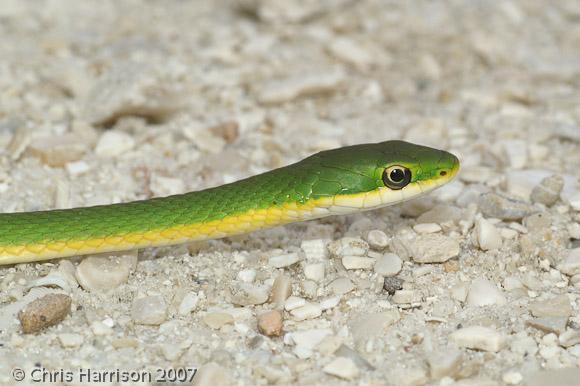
{"x":396,"y":177}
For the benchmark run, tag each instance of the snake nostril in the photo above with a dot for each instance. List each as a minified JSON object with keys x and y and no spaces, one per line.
{"x":442,"y":173}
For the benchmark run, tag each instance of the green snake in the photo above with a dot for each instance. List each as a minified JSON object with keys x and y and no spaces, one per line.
{"x":339,"y":181}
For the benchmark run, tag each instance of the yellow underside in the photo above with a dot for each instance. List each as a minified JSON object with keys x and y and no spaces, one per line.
{"x":231,"y":225}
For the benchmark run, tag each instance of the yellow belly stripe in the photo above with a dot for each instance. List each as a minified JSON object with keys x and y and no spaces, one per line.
{"x":251,"y":220}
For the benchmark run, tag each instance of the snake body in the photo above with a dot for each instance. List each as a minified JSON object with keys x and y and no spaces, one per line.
{"x":339,"y":181}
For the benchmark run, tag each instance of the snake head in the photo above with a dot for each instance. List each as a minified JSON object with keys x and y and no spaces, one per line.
{"x":373,"y":175}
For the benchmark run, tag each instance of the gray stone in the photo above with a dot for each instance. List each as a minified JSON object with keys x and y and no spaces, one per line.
{"x":245,"y":294}
{"x":484,"y":293}
{"x":342,"y":367}
{"x":388,"y":264}
{"x":434,"y":248}
{"x":555,"y":324}
{"x":102,"y":274}
{"x":571,"y":264}
{"x":479,"y":338}
{"x":502,"y":207}
{"x":548,"y":191}
{"x":150,"y":310}
{"x":377,"y":239}
{"x":569,"y":338}
{"x":341,"y":286}
{"x":556,"y":306}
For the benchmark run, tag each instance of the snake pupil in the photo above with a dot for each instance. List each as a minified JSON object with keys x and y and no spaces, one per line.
{"x":396,"y":177}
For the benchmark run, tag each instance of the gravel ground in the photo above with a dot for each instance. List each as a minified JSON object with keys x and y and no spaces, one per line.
{"x":477,"y":284}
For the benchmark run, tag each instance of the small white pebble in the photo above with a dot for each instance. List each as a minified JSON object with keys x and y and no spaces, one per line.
{"x":518,"y":227}
{"x":569,"y":338}
{"x":242,"y":328}
{"x":76,"y":168}
{"x":405,"y":297}
{"x":188,"y":303}
{"x":354,"y":52}
{"x":329,"y":303}
{"x":574,"y":200}
{"x":522,"y":344}
{"x":574,"y":230}
{"x":488,"y":236}
{"x":102,"y":273}
{"x":294,"y":302}
{"x":341,"y":285}
{"x":512,"y":377}
{"x":245,"y":294}
{"x":342,"y":367}
{"x":377,"y":239}
{"x":69,"y":340}
{"x":484,"y":293}
{"x":575,"y":350}
{"x":357,"y":262}
{"x":151,"y":310}
{"x":388,"y":265}
{"x":307,"y":311}
{"x":247,"y":275}
{"x":314,"y":271}
{"x":479,"y":338}
{"x":114,"y":143}
{"x":511,"y":283}
{"x":549,"y":352}
{"x":550,"y":339}
{"x":282,"y":261}
{"x":302,"y":352}
{"x":348,"y":246}
{"x":508,"y":234}
{"x":205,"y":140}
{"x":309,"y":288}
{"x":307,"y":338}
{"x":459,"y":292}
{"x":548,"y":190}
{"x":554,"y":306}
{"x":314,"y":249}
{"x":433,"y":248}
{"x":99,"y":328}
{"x":217,"y":320}
{"x":571,"y":264}
{"x":108,"y":322}
{"x":427,"y":228}
{"x":281,"y":290}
